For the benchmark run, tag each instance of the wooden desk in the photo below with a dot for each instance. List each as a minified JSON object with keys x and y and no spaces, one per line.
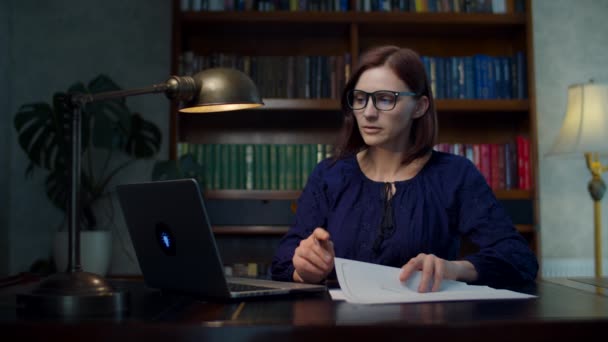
{"x":560,"y":312}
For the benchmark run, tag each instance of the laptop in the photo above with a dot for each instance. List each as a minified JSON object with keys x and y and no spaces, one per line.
{"x":175,"y":246}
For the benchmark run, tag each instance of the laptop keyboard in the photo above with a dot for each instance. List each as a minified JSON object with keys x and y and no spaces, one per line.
{"x":246,"y":287}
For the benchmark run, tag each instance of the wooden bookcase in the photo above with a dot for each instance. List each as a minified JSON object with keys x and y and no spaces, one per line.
{"x":307,"y":121}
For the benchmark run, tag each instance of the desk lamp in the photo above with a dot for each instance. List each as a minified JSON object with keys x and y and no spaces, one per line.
{"x":584,"y":132}
{"x":76,"y":293}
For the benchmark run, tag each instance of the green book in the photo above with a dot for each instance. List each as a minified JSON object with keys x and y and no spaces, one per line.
{"x":200,"y":159}
{"x":265,"y":169}
{"x":305,"y":164}
{"x":240,"y":166}
{"x":273,"y":166}
{"x":282,"y":167}
{"x":217,"y":172}
{"x":290,"y":166}
{"x":233,"y":157}
{"x":249,"y":167}
{"x":259,"y":166}
{"x":297,"y":184}
{"x":209,"y":165}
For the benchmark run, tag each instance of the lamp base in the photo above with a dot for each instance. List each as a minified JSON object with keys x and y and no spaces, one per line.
{"x":73,"y":295}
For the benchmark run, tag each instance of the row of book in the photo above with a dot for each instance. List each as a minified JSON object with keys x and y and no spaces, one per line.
{"x":305,"y":77}
{"x":256,"y":166}
{"x":504,"y":166}
{"x":287,"y":166}
{"x":437,"y":6}
{"x":420,"y":6}
{"x":456,"y":77}
{"x":265,"y":5}
{"x":477,"y":77}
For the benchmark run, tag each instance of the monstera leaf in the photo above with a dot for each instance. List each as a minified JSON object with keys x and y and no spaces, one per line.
{"x":44,"y":132}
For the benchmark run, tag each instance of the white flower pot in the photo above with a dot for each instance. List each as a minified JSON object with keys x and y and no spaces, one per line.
{"x":95,"y":251}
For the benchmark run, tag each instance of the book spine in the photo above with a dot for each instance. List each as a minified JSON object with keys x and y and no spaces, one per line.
{"x":305,"y":165}
{"x":233,"y":168}
{"x":273,"y":166}
{"x":226,"y":167}
{"x":520,"y":163}
{"x":249,"y":167}
{"x":500,"y":156}
{"x":494,"y":169}
{"x":282,"y":166}
{"x":485,"y":163}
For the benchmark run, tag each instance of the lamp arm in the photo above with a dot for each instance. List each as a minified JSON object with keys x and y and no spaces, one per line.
{"x":177,"y":87}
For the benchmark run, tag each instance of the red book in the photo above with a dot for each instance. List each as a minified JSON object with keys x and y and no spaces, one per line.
{"x":500,"y":163}
{"x":494,"y":169}
{"x":523,"y":162}
{"x":485,"y":162}
{"x":477,"y":156}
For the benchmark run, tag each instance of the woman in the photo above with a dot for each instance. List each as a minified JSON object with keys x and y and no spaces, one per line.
{"x":388,"y":198}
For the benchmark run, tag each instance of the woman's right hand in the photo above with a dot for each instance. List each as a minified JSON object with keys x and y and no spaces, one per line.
{"x":313,"y":259}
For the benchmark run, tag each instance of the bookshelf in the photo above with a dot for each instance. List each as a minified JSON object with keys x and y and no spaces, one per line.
{"x":296,"y":120}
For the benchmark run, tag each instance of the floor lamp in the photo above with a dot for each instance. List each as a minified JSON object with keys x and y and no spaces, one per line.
{"x":584,"y":132}
{"x":77,"y":293}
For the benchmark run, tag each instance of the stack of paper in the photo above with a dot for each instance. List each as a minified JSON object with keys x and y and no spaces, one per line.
{"x":366,"y":283}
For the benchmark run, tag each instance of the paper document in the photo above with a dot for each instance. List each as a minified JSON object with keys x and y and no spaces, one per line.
{"x":366,"y":283}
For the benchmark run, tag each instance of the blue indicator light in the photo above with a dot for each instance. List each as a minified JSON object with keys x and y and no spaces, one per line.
{"x":166,"y":240}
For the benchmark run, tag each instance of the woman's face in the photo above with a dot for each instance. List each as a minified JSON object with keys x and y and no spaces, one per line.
{"x":387,"y":129}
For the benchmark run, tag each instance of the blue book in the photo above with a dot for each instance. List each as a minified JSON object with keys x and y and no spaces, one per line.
{"x":499,"y":92}
{"x":481,"y":91}
{"x":440,"y":77}
{"x":344,"y":5}
{"x":469,"y":77}
{"x":505,"y":62}
{"x":459,"y":82}
{"x":521,"y":68}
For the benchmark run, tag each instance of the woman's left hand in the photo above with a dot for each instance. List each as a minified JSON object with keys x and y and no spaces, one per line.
{"x":434,"y":269}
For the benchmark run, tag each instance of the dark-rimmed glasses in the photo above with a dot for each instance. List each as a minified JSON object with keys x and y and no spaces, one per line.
{"x":382,"y":99}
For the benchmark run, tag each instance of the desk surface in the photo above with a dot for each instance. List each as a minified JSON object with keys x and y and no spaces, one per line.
{"x":560,"y":311}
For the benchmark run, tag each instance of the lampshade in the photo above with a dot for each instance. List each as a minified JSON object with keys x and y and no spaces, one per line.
{"x":222,"y":89}
{"x":585,"y":127}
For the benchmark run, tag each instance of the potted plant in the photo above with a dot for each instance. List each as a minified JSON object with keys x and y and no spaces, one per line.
{"x":113,"y":137}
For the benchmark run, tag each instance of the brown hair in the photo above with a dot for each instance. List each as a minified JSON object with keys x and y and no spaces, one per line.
{"x":408,"y":66}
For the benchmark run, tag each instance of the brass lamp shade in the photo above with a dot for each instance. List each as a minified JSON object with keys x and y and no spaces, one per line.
{"x":222,"y":89}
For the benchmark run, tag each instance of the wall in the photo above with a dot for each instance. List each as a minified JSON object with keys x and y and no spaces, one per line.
{"x":570,"y":47}
{"x":53,"y":44}
{"x":5,"y":87}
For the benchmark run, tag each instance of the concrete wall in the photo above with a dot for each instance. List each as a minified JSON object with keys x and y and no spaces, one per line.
{"x":5,"y":150}
{"x":570,"y":47}
{"x":52,"y":44}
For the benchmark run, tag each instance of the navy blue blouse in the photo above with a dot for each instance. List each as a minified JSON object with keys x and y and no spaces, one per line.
{"x":447,"y":199}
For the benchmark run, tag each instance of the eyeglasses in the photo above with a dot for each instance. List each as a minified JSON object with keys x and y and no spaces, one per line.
{"x":382,"y":99}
